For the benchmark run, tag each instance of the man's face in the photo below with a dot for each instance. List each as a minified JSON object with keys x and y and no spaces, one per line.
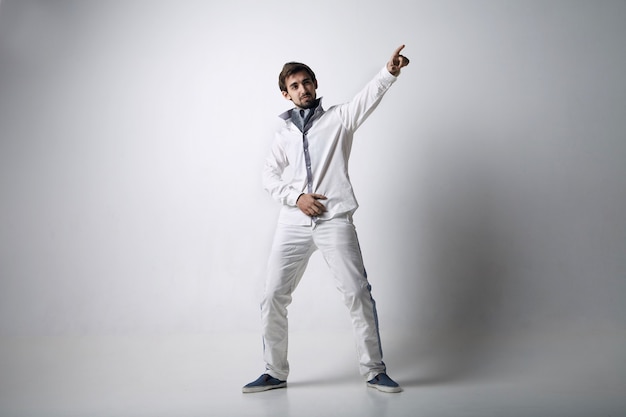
{"x":301,"y":89}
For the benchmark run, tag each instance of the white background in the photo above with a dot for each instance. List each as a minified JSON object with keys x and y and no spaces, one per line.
{"x":491,"y":178}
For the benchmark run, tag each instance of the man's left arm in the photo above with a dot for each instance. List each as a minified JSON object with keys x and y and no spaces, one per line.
{"x":354,"y":113}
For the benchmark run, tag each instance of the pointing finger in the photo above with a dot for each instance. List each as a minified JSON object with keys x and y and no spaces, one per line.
{"x":396,"y":53}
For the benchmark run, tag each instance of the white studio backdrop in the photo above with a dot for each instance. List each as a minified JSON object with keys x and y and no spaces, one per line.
{"x":491,"y":177}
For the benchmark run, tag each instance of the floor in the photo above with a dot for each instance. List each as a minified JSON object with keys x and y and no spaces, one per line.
{"x":202,"y":375}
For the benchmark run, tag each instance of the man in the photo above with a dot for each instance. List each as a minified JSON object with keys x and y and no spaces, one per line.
{"x":317,"y":207}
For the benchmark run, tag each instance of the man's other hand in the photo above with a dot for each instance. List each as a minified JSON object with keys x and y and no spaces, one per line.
{"x":310,"y":204}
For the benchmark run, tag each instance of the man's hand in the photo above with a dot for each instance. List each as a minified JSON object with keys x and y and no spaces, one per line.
{"x":397,"y":62}
{"x":310,"y":205}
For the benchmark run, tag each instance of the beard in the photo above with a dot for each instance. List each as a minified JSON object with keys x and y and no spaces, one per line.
{"x":308,"y":102}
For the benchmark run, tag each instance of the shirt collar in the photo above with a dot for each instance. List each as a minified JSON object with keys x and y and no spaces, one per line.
{"x":287,"y":115}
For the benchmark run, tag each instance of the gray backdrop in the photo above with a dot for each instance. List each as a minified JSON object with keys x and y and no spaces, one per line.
{"x":491,"y":178}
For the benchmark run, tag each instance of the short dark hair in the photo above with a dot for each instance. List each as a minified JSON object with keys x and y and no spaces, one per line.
{"x":291,"y":68}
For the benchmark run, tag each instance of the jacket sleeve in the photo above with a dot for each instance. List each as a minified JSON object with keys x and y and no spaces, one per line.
{"x":354,"y":113}
{"x":273,"y":182}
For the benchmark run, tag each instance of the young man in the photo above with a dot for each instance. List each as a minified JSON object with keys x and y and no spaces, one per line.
{"x":317,"y":207}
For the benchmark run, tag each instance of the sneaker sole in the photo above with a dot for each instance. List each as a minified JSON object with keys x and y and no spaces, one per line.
{"x":263,"y":388}
{"x":383,"y":388}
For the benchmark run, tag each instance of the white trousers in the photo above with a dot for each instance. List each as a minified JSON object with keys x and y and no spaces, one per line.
{"x":292,"y":247}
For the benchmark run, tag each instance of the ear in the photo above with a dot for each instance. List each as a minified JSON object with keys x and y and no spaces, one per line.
{"x":286,"y":95}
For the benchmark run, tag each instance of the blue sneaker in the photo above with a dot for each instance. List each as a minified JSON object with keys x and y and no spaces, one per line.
{"x":383,"y":383}
{"x":263,"y":383}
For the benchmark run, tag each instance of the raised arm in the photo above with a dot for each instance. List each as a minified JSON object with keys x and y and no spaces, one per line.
{"x":354,"y":112}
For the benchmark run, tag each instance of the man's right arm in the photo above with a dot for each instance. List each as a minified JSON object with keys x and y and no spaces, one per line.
{"x":272,"y":177}
{"x":282,"y":191}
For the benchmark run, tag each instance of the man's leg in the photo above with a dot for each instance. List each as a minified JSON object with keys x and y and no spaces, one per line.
{"x":338,"y":242}
{"x":291,"y":250}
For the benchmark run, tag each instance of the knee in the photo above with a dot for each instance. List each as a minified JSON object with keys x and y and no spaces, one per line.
{"x":358,"y":296}
{"x":275,"y":300}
